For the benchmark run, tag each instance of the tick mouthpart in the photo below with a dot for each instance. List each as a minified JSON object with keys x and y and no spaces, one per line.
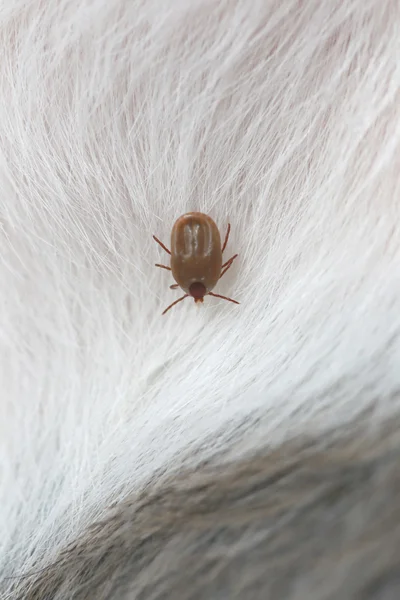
{"x":197,"y":290}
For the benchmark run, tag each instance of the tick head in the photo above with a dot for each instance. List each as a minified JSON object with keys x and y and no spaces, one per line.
{"x":197,"y":290}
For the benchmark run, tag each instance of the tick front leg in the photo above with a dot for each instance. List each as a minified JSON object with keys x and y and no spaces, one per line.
{"x":223,"y":298}
{"x":227,"y":265}
{"x":174,"y":286}
{"x":226,"y":237}
{"x":161,"y":244}
{"x":163,"y":267}
{"x":176,"y":302}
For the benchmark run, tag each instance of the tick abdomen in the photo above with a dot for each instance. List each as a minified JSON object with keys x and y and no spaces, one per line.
{"x":196,"y":254}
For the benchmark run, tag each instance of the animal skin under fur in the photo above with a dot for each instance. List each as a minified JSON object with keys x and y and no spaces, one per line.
{"x":220,"y":451}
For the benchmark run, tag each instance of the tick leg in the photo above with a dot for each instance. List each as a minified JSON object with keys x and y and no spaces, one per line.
{"x":176,"y":302}
{"x":161,"y":244}
{"x":163,"y":267}
{"x":226,"y":237}
{"x":174,"y":286}
{"x":227,"y":265}
{"x":230,"y":261}
{"x":223,"y":298}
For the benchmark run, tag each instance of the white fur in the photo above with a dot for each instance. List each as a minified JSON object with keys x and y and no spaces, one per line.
{"x":281,"y":117}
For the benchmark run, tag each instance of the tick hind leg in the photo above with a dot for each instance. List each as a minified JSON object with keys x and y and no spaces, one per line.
{"x":163,"y":267}
{"x":161,"y":244}
{"x":174,"y":286}
{"x":226,"y":237}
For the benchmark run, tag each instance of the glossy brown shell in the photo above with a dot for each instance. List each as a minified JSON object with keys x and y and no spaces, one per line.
{"x":196,"y":254}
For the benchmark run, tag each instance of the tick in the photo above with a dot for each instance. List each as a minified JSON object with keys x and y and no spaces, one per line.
{"x":196,"y":257}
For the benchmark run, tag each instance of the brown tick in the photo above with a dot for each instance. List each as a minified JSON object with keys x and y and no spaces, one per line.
{"x":196,"y":257}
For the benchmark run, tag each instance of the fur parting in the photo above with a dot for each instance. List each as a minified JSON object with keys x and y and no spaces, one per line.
{"x":279,"y":117}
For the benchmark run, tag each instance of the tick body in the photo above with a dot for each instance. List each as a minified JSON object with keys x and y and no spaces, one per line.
{"x":196,"y":256}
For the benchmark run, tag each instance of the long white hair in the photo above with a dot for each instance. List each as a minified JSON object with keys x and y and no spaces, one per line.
{"x":281,"y":118}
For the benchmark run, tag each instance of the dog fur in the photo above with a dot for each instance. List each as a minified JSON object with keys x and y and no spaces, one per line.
{"x":219,"y":451}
